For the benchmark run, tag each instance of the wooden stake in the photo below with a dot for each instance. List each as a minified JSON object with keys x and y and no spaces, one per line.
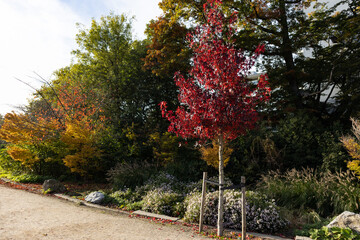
{"x":220,"y":223}
{"x":243,"y":209}
{"x":203,"y":197}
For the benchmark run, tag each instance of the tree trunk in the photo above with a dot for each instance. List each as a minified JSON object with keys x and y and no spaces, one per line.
{"x":221,"y":191}
{"x":287,"y":54}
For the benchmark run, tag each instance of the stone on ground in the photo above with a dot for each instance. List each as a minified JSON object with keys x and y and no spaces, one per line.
{"x":52,"y":185}
{"x":346,"y":220}
{"x":95,"y":197}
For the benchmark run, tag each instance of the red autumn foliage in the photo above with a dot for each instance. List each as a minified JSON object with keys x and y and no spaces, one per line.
{"x":217,"y":98}
{"x":72,"y":103}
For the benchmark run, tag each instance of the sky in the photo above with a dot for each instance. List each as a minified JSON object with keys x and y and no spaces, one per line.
{"x":38,"y":36}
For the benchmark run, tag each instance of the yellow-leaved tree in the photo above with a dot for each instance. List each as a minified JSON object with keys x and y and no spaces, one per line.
{"x":210,"y":154}
{"x":30,"y":142}
{"x":352,"y":144}
{"x":81,"y":154}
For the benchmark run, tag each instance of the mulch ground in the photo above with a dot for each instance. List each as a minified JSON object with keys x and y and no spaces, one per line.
{"x":71,"y":187}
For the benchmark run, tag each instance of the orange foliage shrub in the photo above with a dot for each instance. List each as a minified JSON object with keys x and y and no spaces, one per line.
{"x":353,"y":147}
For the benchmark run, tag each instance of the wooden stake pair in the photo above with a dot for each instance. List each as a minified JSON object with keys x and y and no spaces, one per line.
{"x":243,"y":205}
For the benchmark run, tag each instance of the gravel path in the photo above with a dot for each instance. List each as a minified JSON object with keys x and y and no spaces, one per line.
{"x":25,"y":215}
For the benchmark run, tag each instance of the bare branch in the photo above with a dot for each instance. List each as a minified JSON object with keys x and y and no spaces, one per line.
{"x":43,"y":97}
{"x":330,"y":79}
{"x":53,"y":90}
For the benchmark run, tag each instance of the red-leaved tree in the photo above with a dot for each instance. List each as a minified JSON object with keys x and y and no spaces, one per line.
{"x":217,"y":101}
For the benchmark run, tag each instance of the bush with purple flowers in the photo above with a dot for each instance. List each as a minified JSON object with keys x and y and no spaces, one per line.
{"x":262,"y":213}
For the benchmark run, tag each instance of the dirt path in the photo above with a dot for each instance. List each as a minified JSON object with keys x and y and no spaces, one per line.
{"x":25,"y":215}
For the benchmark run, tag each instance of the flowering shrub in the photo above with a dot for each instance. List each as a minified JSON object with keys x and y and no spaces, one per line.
{"x":162,"y":202}
{"x":168,"y":182}
{"x":162,"y":180}
{"x":191,"y":187}
{"x":163,"y":194}
{"x":125,"y":197}
{"x":192,"y":204}
{"x":262,"y":214}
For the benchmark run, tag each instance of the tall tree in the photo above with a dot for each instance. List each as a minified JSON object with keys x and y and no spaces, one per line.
{"x":112,"y":64}
{"x":104,"y":51}
{"x":216,"y":100}
{"x":288,"y":29}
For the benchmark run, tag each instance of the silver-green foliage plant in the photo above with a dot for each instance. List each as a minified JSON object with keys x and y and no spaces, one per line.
{"x":127,"y":199}
{"x":161,"y":202}
{"x":262,"y":214}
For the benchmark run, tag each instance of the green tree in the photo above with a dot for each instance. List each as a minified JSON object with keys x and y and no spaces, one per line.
{"x":104,"y":52}
{"x":111,"y":63}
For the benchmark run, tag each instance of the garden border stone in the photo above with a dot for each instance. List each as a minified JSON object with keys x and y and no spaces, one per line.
{"x":302,"y":238}
{"x":85,"y":203}
{"x":154,"y":215}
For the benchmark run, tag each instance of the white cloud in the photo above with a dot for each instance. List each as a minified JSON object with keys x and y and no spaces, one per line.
{"x":38,"y":36}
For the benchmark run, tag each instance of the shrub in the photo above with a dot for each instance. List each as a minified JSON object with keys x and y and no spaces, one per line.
{"x":192,"y":207}
{"x":129,"y":175}
{"x":190,"y":187}
{"x":353,"y":147}
{"x":262,"y":213}
{"x":25,"y":177}
{"x":308,"y":228}
{"x":124,"y":197}
{"x":334,"y":233}
{"x":298,"y":140}
{"x":165,"y":147}
{"x":162,"y":180}
{"x":327,"y":193}
{"x":128,"y":199}
{"x":161,"y":202}
{"x":169,"y":182}
{"x":9,"y":165}
{"x":82,"y":155}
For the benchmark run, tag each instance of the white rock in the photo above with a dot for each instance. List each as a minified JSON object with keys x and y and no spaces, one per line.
{"x":346,"y":220}
{"x":95,"y":197}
